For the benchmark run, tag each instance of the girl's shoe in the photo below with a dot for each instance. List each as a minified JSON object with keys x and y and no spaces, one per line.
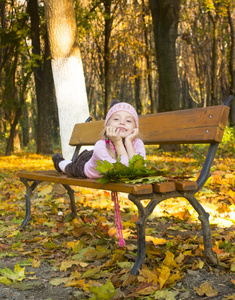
{"x":57,"y":158}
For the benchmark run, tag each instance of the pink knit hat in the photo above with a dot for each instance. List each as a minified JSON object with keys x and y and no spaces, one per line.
{"x":123,"y":106}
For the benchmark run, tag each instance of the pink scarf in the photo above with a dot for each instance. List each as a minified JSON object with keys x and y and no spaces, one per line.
{"x":114,"y":196}
{"x":118,"y":220}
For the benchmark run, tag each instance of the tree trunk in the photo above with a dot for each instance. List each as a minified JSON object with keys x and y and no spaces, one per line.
{"x":231,"y":14}
{"x":25,"y":127}
{"x":165,"y":16}
{"x":215,"y":57}
{"x":137,"y":90}
{"x":45,"y":105}
{"x":43,"y":84}
{"x":67,"y":69}
{"x":10,"y":141}
{"x":107,"y":75}
{"x":149,"y":79}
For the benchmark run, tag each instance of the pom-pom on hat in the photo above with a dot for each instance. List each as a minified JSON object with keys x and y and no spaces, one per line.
{"x":122,"y":106}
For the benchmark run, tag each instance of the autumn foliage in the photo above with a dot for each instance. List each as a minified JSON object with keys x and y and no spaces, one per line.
{"x":86,"y":251}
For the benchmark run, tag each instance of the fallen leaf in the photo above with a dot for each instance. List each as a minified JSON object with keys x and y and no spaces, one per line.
{"x":164,"y":274}
{"x":104,"y":292}
{"x":165,"y":294}
{"x":58,"y":281}
{"x":36,"y":263}
{"x":206,"y":289}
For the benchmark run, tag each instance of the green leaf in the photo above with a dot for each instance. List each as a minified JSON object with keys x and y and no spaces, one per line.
{"x":16,"y":275}
{"x":136,"y":172}
{"x":90,"y":273}
{"x":150,"y":179}
{"x":164,"y":294}
{"x":105,"y":292}
{"x":4,"y":280}
{"x":58,"y":281}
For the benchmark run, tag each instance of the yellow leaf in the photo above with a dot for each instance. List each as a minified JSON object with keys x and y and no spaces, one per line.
{"x":206,"y":289}
{"x":45,"y":191}
{"x":130,"y":278}
{"x":20,"y":272}
{"x":90,"y":273}
{"x":165,"y":294}
{"x":188,"y":252}
{"x":156,"y":241}
{"x":112,"y":231}
{"x":58,"y":281}
{"x":4,"y":280}
{"x":14,"y":233}
{"x":232,"y":267}
{"x":179,"y":259}
{"x":35,"y":263}
{"x":147,"y":291}
{"x":98,"y":253}
{"x":68,"y":264}
{"x":83,"y":264}
{"x":148,"y":275}
{"x":164,"y":274}
{"x":75,"y":283}
{"x":75,"y":246}
{"x":173,"y":278}
{"x":169,"y":260}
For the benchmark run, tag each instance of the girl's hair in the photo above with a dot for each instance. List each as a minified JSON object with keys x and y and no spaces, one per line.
{"x":108,"y":147}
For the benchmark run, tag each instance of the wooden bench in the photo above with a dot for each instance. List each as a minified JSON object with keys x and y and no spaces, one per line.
{"x":191,"y":126}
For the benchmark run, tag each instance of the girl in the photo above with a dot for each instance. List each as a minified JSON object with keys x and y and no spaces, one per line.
{"x":120,"y":139}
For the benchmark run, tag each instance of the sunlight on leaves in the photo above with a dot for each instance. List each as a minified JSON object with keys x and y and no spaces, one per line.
{"x":155,"y":240}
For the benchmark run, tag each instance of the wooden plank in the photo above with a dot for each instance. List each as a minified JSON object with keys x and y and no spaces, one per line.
{"x":164,"y":187}
{"x":54,"y":176}
{"x":201,"y":125}
{"x":185,"y":126}
{"x":87,"y":133}
{"x":188,"y":185}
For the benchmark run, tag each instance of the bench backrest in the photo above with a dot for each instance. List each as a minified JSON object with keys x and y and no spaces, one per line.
{"x":200,"y":125}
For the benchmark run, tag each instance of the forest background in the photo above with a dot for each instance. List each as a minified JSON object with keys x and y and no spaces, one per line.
{"x":118,"y":51}
{"x":117,"y":40}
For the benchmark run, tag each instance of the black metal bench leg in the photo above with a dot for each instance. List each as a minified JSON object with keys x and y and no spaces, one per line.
{"x":141,"y":246}
{"x":70,"y":192}
{"x":29,"y":190}
{"x":141,"y":243}
{"x":204,"y":218}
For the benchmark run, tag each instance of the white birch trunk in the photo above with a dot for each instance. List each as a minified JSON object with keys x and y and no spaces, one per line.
{"x":67,"y":69}
{"x":71,"y":98}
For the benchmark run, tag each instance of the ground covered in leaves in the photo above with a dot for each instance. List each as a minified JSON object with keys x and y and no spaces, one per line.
{"x":55,"y":257}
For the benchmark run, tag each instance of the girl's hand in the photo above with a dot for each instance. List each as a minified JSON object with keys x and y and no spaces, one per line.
{"x":133,"y":135}
{"x":113,"y":134}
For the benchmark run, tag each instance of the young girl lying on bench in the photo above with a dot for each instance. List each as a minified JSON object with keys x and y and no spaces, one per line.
{"x":120,"y":139}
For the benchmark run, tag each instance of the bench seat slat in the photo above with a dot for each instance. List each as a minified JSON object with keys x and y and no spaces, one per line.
{"x":200,"y":125}
{"x":188,"y":185}
{"x":54,"y":176}
{"x":164,"y":187}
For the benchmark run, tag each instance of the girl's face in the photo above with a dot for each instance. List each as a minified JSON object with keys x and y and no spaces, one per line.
{"x":123,"y":121}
